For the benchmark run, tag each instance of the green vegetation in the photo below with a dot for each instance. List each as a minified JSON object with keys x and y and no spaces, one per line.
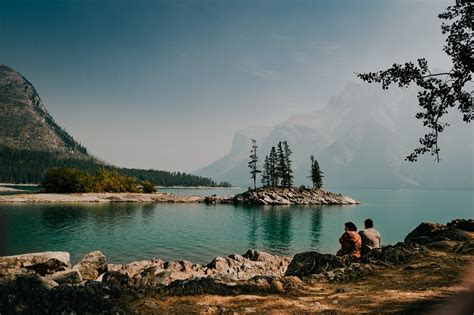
{"x":26,"y":166}
{"x":277,"y":170}
{"x":316,"y":174}
{"x":148,"y":187}
{"x":71,"y":180}
{"x":253,"y":163}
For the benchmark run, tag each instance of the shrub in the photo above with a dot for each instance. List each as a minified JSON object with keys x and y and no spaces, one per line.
{"x":66,"y":180}
{"x":148,"y":187}
{"x":71,"y":180}
{"x":111,"y":181}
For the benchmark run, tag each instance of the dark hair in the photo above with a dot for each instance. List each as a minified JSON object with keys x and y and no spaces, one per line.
{"x":369,"y":223}
{"x":351,"y":226}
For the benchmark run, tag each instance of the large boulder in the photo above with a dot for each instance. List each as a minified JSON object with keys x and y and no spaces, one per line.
{"x":24,"y":294}
{"x":42,"y":263}
{"x":91,"y":265}
{"x":462,"y":224}
{"x":426,"y":233}
{"x":307,"y":263}
{"x":66,"y":277}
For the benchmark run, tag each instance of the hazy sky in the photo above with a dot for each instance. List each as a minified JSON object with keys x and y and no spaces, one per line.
{"x":166,"y":84}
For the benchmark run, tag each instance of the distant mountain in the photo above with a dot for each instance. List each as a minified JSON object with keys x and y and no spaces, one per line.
{"x":360,"y":140}
{"x":32,"y":142}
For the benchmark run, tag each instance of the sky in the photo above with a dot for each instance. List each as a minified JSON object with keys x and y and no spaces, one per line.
{"x":167,"y":84}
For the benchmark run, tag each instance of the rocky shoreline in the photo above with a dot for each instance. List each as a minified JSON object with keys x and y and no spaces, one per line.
{"x":260,"y":196}
{"x":48,"y":282}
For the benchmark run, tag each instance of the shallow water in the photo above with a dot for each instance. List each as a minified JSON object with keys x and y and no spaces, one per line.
{"x":127,"y":231}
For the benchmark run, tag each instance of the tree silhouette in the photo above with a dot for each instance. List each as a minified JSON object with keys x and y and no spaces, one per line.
{"x":273,"y":162}
{"x":253,"y":163}
{"x":443,"y":90}
{"x":266,"y":173}
{"x":288,"y":171}
{"x":316,"y":174}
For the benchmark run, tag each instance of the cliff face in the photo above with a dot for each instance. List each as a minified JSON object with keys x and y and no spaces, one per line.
{"x":24,"y":121}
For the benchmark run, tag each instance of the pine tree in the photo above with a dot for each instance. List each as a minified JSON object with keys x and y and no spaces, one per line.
{"x":253,"y":163}
{"x":273,"y":159}
{"x":266,"y":182}
{"x":288,"y":171}
{"x":281,"y":165}
{"x":316,"y":174}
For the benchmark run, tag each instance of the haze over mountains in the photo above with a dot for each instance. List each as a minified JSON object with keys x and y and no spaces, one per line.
{"x":360,"y":140}
{"x":31,"y":142}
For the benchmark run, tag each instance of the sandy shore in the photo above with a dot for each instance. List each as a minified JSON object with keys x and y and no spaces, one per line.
{"x":100,"y":197}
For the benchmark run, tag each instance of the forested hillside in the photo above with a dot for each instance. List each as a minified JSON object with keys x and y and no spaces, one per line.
{"x":26,"y":166}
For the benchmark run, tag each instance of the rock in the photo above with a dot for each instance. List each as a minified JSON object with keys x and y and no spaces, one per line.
{"x":66,"y":277}
{"x":288,"y":196}
{"x":432,"y":232}
{"x":91,"y":265}
{"x":90,"y":298}
{"x":136,"y":267}
{"x":462,"y":224}
{"x":24,"y":293}
{"x":29,"y":260}
{"x":48,"y":267}
{"x":307,"y":263}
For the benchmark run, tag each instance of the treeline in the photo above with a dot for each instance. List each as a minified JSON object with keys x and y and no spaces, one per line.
{"x":26,"y":166}
{"x":277,"y":167}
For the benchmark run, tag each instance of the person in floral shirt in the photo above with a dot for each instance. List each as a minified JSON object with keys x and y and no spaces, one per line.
{"x":350,"y":241}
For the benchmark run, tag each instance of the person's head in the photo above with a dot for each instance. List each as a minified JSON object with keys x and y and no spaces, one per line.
{"x":369,"y":224}
{"x":349,"y":226}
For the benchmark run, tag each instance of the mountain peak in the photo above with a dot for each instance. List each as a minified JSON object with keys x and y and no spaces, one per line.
{"x":24,"y":121}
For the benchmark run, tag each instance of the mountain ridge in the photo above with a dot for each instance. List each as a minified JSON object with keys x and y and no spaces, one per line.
{"x":360,"y":139}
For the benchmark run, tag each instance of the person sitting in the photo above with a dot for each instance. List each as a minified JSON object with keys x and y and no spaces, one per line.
{"x":350,"y":241}
{"x":370,"y":237}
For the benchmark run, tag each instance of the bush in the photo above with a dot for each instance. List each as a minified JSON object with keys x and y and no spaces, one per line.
{"x":66,"y":180}
{"x":148,"y":187}
{"x":111,"y":181}
{"x":71,"y":180}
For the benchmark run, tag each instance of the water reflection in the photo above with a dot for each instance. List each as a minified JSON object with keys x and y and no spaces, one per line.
{"x":276,"y":224}
{"x":253,"y":226}
{"x":316,"y":223}
{"x":148,"y":211}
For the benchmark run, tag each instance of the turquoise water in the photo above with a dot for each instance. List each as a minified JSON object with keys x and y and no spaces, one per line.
{"x":197,"y":232}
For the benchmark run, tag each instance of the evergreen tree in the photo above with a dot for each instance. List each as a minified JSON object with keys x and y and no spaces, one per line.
{"x":316,"y":174}
{"x":266,"y":181}
{"x":288,"y":171}
{"x":253,"y":163}
{"x":281,"y":165}
{"x":273,"y":161}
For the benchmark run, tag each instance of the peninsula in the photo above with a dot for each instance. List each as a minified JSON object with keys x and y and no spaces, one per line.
{"x":261,"y":196}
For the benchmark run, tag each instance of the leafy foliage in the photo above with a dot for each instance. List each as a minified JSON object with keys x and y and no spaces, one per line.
{"x":148,"y":187}
{"x":439,"y":91}
{"x":67,"y":180}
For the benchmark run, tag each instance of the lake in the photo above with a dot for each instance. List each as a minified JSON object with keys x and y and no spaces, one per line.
{"x":125,"y":232}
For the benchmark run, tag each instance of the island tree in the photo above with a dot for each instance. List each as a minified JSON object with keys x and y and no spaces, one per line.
{"x":266,"y":181}
{"x":316,"y":174}
{"x":273,"y":169}
{"x":439,"y":91}
{"x":253,"y":163}
{"x":288,"y":170}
